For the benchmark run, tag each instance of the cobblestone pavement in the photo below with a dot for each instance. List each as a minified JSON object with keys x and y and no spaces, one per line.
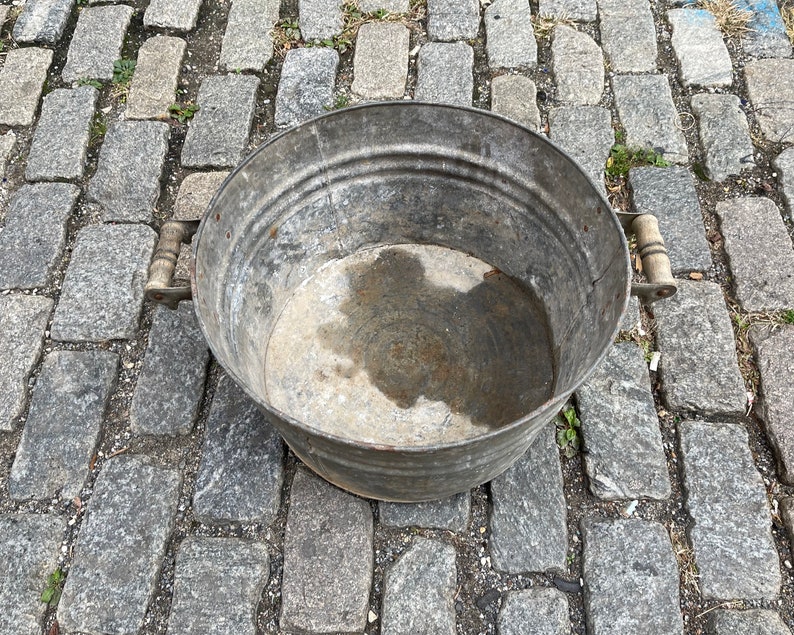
{"x":142,"y":492}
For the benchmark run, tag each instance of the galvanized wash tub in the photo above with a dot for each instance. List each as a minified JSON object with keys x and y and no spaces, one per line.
{"x":410,"y":291}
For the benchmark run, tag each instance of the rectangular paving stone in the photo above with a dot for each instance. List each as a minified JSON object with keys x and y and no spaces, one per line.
{"x":731,"y":530}
{"x":630,"y":578}
{"x":319,"y":19}
{"x":7,"y":142}
{"x":153,"y":86}
{"x":669,"y":194}
{"x":23,"y":319}
{"x":724,"y":134}
{"x":60,"y":142}
{"x":64,"y":423}
{"x":247,"y":41}
{"x":702,"y":56}
{"x":617,"y":397}
{"x":218,"y":133}
{"x":784,"y":165}
{"x":42,"y":21}
{"x":539,"y":610}
{"x":176,"y":15}
{"x":770,"y":85}
{"x":28,"y":554}
{"x":752,"y":622}
{"x":419,"y":590}
{"x":450,"y":20}
{"x":195,"y":194}
{"x":328,"y":558}
{"x":628,"y":35}
{"x":380,"y":62}
{"x":450,"y":513}
{"x":241,"y":471}
{"x":306,"y":86}
{"x":127,"y":180}
{"x":445,"y":73}
{"x":217,"y":585}
{"x":646,"y":110}
{"x":22,"y":79}
{"x":698,"y":366}
{"x":766,"y":35}
{"x":528,"y":517}
{"x":120,"y":548}
{"x":578,"y":66}
{"x":35,"y":234}
{"x":509,"y":36}
{"x":584,"y":132}
{"x":515,"y":97}
{"x":102,"y":293}
{"x":392,"y":6}
{"x":580,"y":10}
{"x":759,"y":251}
{"x":171,"y":383}
{"x":96,"y":43}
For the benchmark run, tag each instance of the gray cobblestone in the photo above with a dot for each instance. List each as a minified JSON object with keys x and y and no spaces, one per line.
{"x":169,"y":390}
{"x":445,"y":73}
{"x":528,"y":517}
{"x":630,"y":578}
{"x":726,"y":499}
{"x":450,"y":20}
{"x":178,"y":15}
{"x":217,"y":586}
{"x":241,"y":471}
{"x":770,"y":85}
{"x":419,"y":589}
{"x":515,"y":96}
{"x":3,"y":14}
{"x":695,"y":319}
{"x":702,"y":55}
{"x":509,"y":36}
{"x":751,"y":622}
{"x":153,"y":86}
{"x":102,"y":292}
{"x":578,"y":66}
{"x":7,"y":143}
{"x":28,"y":554}
{"x":42,"y":21}
{"x":96,"y":43}
{"x":584,"y":132}
{"x":127,"y":179}
{"x":784,"y":164}
{"x":581,"y":10}
{"x":669,"y":194}
{"x":64,"y":423}
{"x":392,"y":6}
{"x":724,"y":134}
{"x":328,"y":558}
{"x":628,"y":35}
{"x":35,"y":233}
{"x":23,"y":319}
{"x":218,"y":134}
{"x":380,"y":65}
{"x":618,"y":395}
{"x":195,"y":194}
{"x":247,"y":42}
{"x":766,"y":35}
{"x":121,"y":545}
{"x":450,"y":513}
{"x":539,"y":611}
{"x":759,"y":253}
{"x":60,"y":142}
{"x":306,"y":87}
{"x":22,"y":79}
{"x":319,"y":19}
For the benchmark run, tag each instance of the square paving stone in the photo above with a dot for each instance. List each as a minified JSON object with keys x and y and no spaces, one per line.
{"x":42,"y":21}
{"x":306,"y":87}
{"x":195,"y":193}
{"x":96,"y":42}
{"x":319,"y":19}
{"x":153,"y":86}
{"x":628,"y":35}
{"x":540,"y":611}
{"x":22,"y":80}
{"x":702,"y":55}
{"x":450,"y":20}
{"x":770,"y":85}
{"x":445,"y":73}
{"x":380,"y":63}
{"x":102,"y":294}
{"x":724,"y":134}
{"x":584,"y":132}
{"x":509,"y":36}
{"x":515,"y":97}
{"x":766,"y":34}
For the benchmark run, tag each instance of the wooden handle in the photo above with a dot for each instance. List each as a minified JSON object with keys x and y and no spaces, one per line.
{"x":158,"y":288}
{"x":655,"y":261}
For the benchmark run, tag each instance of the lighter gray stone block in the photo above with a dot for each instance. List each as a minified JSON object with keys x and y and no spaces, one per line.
{"x":28,"y":554}
{"x":217,"y":585}
{"x":724,"y":134}
{"x":698,"y":366}
{"x":630,"y":578}
{"x":319,"y":19}
{"x":584,"y":132}
{"x":42,"y":21}
{"x":127,"y":180}
{"x":646,"y":110}
{"x":628,"y":35}
{"x":750,"y":622}
{"x":449,"y":513}
{"x":22,"y":79}
{"x":669,"y":194}
{"x":540,"y":611}
{"x":247,"y":41}
{"x":328,"y":558}
{"x":380,"y":63}
{"x":766,"y":35}
{"x":3,"y":14}
{"x":445,"y":73}
{"x":306,"y":87}
{"x":759,"y":253}
{"x":241,"y":470}
{"x":770,"y":85}
{"x":784,"y":164}
{"x":392,"y":6}
{"x":450,"y":20}
{"x":528,"y":517}
{"x":96,"y":43}
{"x":419,"y":589}
{"x":23,"y":319}
{"x":617,"y":398}
{"x":218,"y":133}
{"x":515,"y":97}
{"x":102,"y":294}
{"x":578,"y":66}
{"x":120,"y":549}
{"x":726,"y":499}
{"x":195,"y":194}
{"x":509,"y":36}
{"x":35,"y":233}
{"x":153,"y":86}
{"x":177,"y":15}
{"x":60,"y":142}
{"x":64,"y":423}
{"x":702,"y":55}
{"x":581,"y":10}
